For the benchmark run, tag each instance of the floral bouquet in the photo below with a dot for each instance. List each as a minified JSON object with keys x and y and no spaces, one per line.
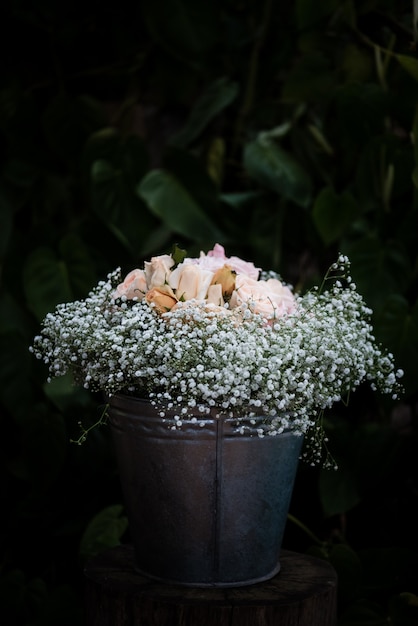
{"x":215,"y":333}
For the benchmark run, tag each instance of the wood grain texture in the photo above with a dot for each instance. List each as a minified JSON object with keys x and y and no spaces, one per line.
{"x":302,"y":594}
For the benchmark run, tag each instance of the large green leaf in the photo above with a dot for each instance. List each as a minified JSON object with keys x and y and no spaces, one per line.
{"x":46,"y":281}
{"x":115,"y":166}
{"x":169,"y":200}
{"x":241,"y":199}
{"x":217,"y":97}
{"x":191,"y":173}
{"x":104,"y":531}
{"x":333,"y":213}
{"x":277,"y":170}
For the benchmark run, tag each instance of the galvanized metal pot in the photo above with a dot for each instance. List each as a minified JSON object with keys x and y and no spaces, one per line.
{"x":207,"y":506}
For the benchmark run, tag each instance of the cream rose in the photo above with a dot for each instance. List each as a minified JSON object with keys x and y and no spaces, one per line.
{"x":157,"y":271}
{"x":190,"y":281}
{"x":162,"y":299}
{"x":134,"y":286}
{"x":270,"y":297}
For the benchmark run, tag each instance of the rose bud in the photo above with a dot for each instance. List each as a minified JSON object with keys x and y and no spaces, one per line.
{"x":161,"y":299}
{"x":225,"y":276}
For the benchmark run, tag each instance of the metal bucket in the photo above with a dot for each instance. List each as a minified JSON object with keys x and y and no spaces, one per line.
{"x":207,"y":506}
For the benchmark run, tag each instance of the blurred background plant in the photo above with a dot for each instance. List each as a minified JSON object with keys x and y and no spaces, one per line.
{"x":286,"y":132}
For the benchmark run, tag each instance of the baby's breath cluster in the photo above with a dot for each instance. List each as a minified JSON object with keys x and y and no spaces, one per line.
{"x":198,"y":356}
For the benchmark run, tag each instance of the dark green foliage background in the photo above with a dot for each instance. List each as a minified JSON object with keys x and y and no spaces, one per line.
{"x":287,"y":131}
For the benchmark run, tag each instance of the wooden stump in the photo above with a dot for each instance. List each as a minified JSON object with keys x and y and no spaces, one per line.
{"x":302,"y":594}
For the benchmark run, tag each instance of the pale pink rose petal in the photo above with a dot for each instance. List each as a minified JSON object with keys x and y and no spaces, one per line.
{"x":284,"y":295}
{"x":244,"y":267}
{"x":133,"y":286}
{"x":269,"y":298}
{"x":218,"y":252}
{"x":215,"y":259}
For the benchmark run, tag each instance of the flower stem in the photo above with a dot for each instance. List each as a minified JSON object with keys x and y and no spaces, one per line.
{"x":85,"y":431}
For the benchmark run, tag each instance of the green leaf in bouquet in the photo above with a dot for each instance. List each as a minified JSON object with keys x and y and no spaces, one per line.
{"x":178,"y":254}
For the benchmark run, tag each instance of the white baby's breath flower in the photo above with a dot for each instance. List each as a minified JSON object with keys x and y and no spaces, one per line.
{"x":197,"y":356}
